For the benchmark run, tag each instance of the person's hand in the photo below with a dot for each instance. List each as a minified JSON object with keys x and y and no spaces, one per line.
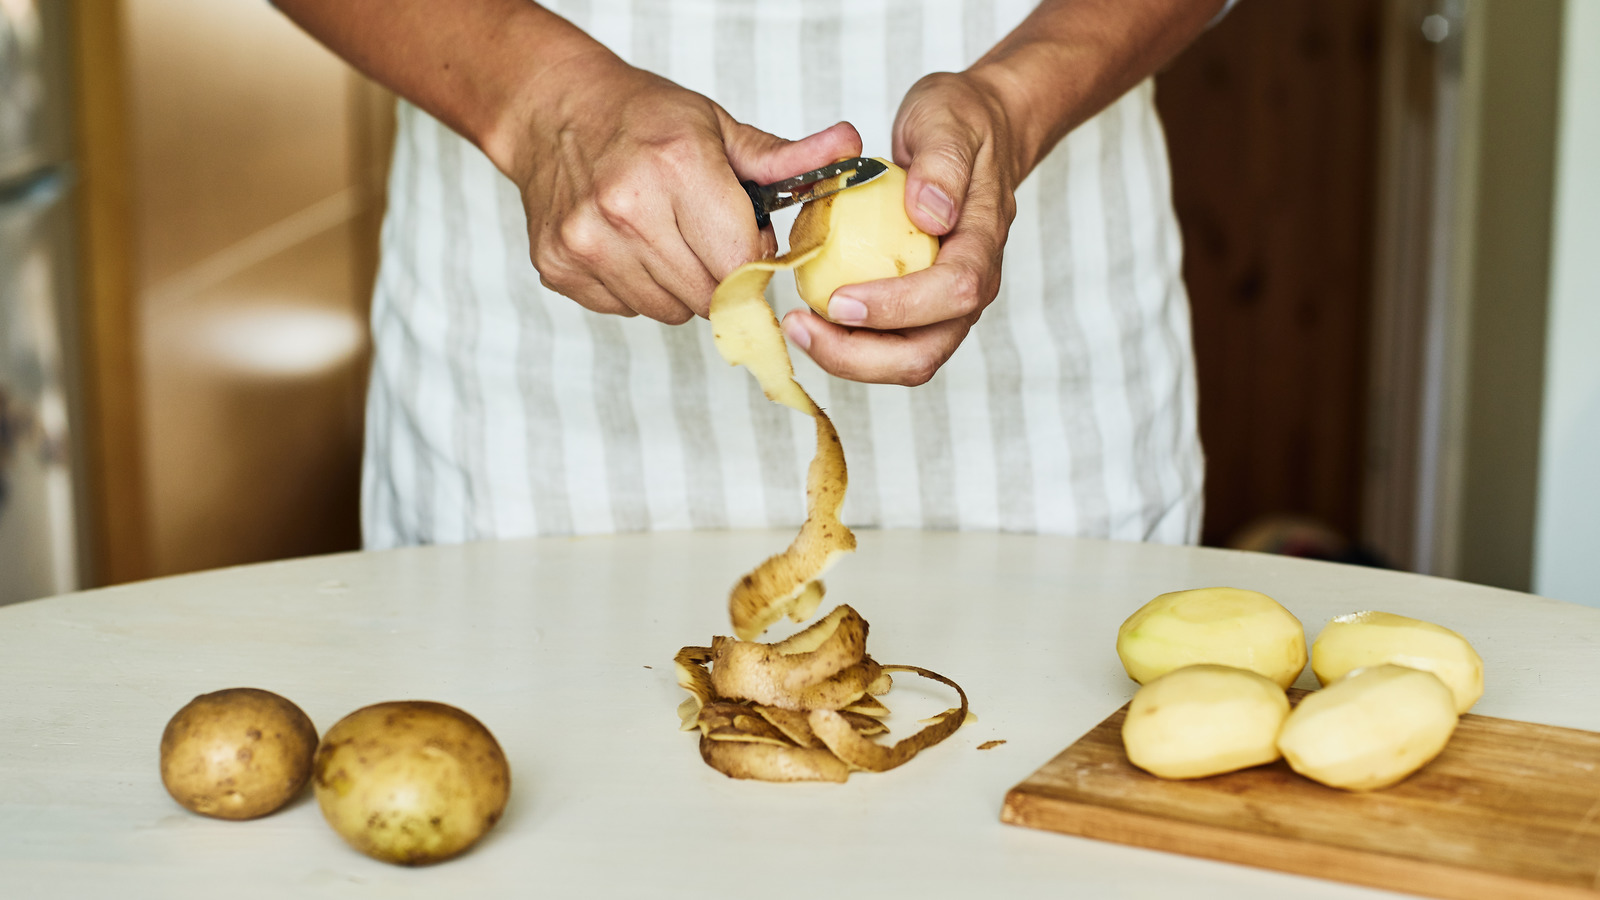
{"x":953,"y":137}
{"x":631,"y":187}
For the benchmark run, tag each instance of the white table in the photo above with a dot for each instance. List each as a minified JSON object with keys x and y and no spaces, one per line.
{"x":563,"y":648}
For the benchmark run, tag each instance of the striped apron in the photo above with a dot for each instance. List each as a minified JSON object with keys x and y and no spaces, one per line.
{"x":498,"y":409}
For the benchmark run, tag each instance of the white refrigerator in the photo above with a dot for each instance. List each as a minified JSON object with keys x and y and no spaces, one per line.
{"x":40,"y":540}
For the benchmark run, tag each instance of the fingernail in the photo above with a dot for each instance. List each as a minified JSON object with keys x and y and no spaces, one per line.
{"x":937,"y":204}
{"x":797,"y":332}
{"x":847,"y":310}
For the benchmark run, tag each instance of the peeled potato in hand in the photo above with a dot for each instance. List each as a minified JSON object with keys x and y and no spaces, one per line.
{"x":1222,"y":626}
{"x":1370,"y":729}
{"x":1375,"y":638}
{"x":1204,"y":720}
{"x":869,"y":236}
{"x":239,"y":753}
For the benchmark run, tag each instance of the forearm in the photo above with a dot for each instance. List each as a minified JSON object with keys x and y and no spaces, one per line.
{"x":480,"y":67}
{"x":1071,"y":58}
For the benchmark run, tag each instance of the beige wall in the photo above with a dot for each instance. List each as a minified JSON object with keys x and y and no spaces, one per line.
{"x":1503,"y":251}
{"x":251,"y":236}
{"x":1567,"y":548}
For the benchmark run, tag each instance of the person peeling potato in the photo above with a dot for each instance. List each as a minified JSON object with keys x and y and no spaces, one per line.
{"x":608,"y":151}
{"x":565,"y":199}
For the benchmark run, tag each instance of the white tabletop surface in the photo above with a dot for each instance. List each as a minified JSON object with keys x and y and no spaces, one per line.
{"x":563,"y":649}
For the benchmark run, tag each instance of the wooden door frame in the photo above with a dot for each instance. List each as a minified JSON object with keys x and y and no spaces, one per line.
{"x":111,"y":441}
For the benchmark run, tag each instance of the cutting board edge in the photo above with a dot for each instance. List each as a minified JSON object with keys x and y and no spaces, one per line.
{"x":1405,"y":874}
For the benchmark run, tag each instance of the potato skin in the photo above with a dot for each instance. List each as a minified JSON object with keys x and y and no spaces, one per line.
{"x":411,"y":782}
{"x":238,"y":753}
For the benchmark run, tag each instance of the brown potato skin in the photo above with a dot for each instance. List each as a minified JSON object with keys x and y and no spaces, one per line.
{"x":455,"y":777}
{"x":239,"y":753}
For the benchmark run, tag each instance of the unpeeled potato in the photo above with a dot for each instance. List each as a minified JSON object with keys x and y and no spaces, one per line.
{"x":238,"y":753}
{"x":1222,"y":626}
{"x":411,"y":782}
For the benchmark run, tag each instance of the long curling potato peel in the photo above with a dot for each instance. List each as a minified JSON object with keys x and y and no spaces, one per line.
{"x":835,"y":731}
{"x":747,"y":334}
{"x":804,"y":709}
{"x":805,"y":605}
{"x":744,"y":680}
{"x":795,"y":725}
{"x":692,"y":677}
{"x":792,"y":723}
{"x":869,"y":706}
{"x":726,"y":721}
{"x":833,"y":644}
{"x":764,"y":762}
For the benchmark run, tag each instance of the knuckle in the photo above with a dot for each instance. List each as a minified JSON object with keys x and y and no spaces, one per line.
{"x":553,"y":273}
{"x":620,"y":204}
{"x":583,"y":236}
{"x":559,"y":287}
{"x":597,"y":301}
{"x":1008,"y":213}
{"x":675,"y":158}
{"x":677,"y":314}
{"x":954,"y":156}
{"x":966,"y":290}
{"x":545,"y":263}
{"x":602,"y":301}
{"x":546,"y":260}
{"x":919,"y":373}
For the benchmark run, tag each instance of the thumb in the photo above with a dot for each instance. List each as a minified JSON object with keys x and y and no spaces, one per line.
{"x":764,"y":158}
{"x":940,"y":169}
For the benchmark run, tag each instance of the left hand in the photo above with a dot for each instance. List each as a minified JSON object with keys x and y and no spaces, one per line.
{"x":956,"y":142}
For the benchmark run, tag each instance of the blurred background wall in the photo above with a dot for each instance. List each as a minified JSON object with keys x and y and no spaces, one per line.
{"x":253,"y":259}
{"x":1392,"y":315}
{"x":231,"y":193}
{"x":1567,"y":535}
{"x":1390,"y":215}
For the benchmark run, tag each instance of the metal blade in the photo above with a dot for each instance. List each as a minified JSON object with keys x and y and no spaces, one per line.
{"x":820,"y":183}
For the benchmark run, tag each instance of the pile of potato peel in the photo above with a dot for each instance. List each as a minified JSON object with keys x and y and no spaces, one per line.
{"x":802,"y":709}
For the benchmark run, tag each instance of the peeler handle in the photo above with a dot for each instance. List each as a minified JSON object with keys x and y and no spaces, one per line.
{"x":758,"y":200}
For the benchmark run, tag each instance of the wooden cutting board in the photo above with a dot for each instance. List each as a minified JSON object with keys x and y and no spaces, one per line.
{"x":1509,"y":810}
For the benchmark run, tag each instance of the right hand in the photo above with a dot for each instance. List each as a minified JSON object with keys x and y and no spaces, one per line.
{"x":631,"y":187}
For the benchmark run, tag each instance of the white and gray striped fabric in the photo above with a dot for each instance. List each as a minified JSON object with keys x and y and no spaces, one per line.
{"x":498,"y":409}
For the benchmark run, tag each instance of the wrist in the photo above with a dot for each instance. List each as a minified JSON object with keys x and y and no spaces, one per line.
{"x":1037,"y":118}
{"x":1011,"y":109}
{"x":1071,"y":58}
{"x":532,"y":110}
{"x":1024,"y":117}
